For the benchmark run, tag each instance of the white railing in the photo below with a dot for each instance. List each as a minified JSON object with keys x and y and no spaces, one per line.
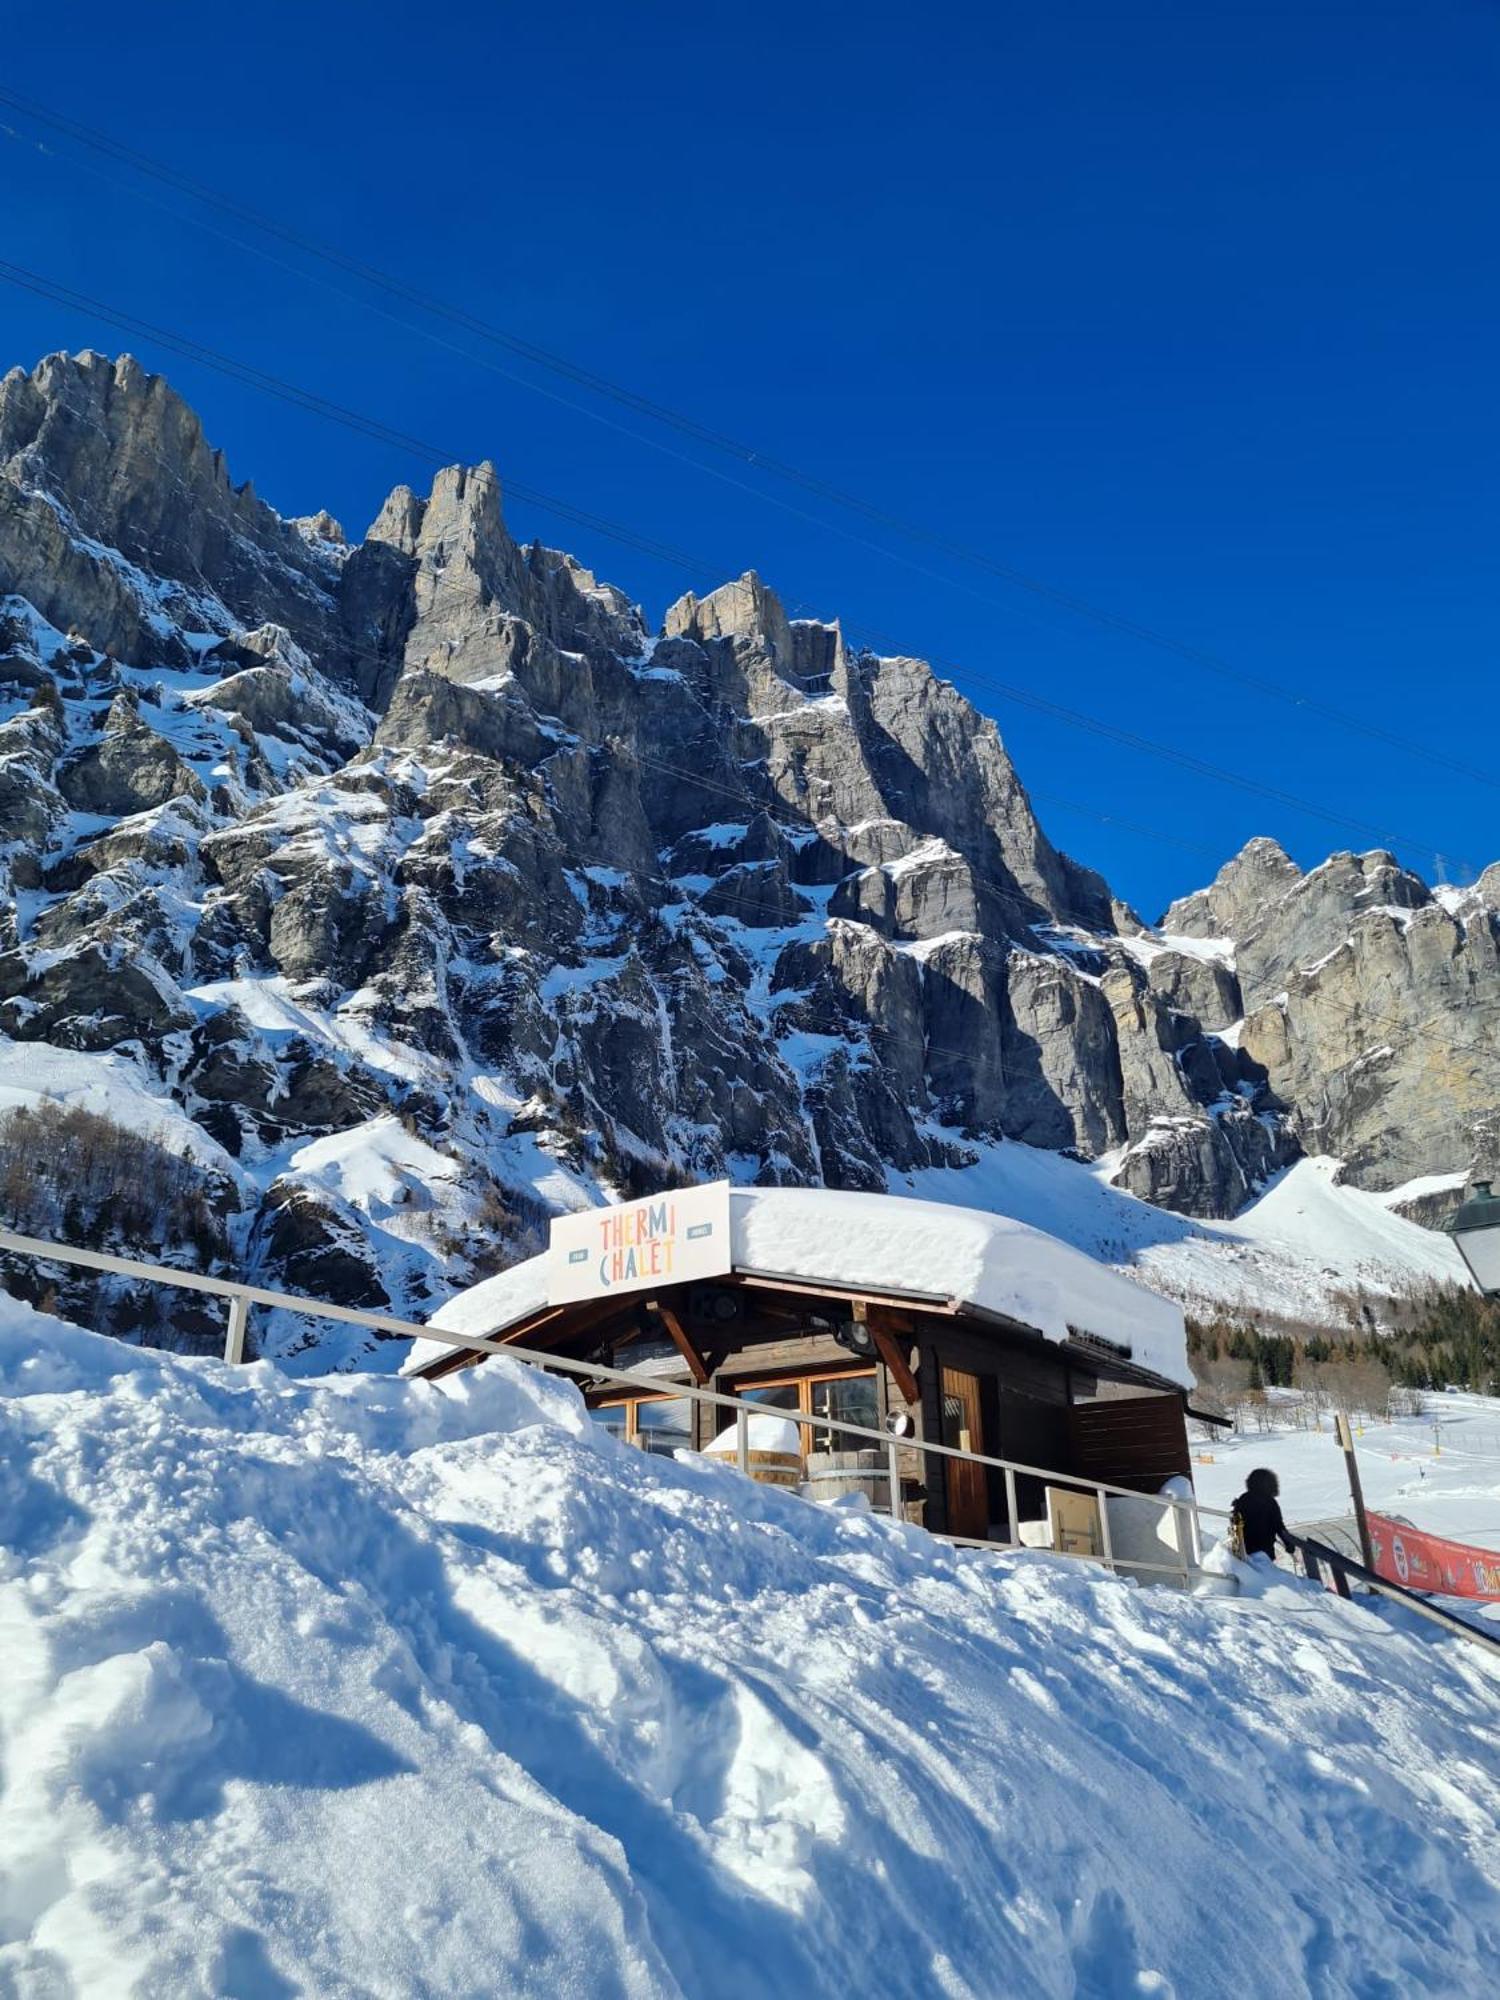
{"x":239,"y":1298}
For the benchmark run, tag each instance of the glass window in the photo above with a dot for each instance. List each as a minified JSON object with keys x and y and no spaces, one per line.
{"x":665,"y":1425}
{"x":612,"y":1417}
{"x":782,"y":1396}
{"x":849,"y":1399}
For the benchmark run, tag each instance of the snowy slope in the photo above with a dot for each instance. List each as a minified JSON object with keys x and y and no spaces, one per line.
{"x":1302,"y":1248}
{"x":1439,"y":1470}
{"x":364,"y":1687}
{"x":109,"y":1084}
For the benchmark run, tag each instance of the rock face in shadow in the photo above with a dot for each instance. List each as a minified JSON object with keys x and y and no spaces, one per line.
{"x":433,"y":837}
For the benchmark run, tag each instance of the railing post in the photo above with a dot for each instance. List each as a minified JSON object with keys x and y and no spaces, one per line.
{"x":1109,"y":1547}
{"x":234,"y":1337}
{"x":1011,"y":1510}
{"x":1182,"y":1532}
{"x":893,"y":1476}
{"x":742,"y":1440}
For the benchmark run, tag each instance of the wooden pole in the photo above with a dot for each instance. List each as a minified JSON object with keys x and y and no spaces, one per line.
{"x":1356,"y":1491}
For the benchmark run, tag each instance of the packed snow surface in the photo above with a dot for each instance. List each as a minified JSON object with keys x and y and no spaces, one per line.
{"x":879,"y":1243}
{"x":367,"y":1687}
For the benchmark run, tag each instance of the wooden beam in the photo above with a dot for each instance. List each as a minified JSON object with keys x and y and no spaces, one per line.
{"x":449,"y":1363}
{"x":889,"y":1350}
{"x":543,"y":1326}
{"x":680,"y":1340}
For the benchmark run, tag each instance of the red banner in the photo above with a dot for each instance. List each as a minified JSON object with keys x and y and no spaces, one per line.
{"x":1427,"y":1562}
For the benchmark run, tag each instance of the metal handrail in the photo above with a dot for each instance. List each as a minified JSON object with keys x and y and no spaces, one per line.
{"x":241,"y":1296}
{"x":1315,"y":1554}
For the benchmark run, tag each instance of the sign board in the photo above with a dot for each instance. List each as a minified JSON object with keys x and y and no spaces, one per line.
{"x":1428,"y":1563}
{"x":667,"y":1239}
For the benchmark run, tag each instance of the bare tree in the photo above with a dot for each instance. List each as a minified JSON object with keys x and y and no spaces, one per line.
{"x":1356,"y":1387}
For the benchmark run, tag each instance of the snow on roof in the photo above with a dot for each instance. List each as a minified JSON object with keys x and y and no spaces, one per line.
{"x":912,"y":1249}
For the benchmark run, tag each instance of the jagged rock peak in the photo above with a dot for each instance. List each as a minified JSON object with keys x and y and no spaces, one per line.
{"x":97,"y":452}
{"x":399,"y":522}
{"x":744,"y":609}
{"x":1261,"y":870}
{"x":112,"y":437}
{"x":320,"y":527}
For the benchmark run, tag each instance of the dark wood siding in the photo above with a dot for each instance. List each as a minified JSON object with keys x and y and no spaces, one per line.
{"x":1135,"y":1441}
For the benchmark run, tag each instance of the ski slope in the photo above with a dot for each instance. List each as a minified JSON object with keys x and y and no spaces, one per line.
{"x":1301,"y":1250}
{"x":1439,"y":1470}
{"x":367,"y":1687}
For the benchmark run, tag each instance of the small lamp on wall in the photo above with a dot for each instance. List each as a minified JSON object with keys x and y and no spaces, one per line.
{"x":856,"y":1336}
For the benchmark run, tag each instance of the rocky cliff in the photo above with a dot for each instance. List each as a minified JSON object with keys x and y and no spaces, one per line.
{"x":431,"y":885}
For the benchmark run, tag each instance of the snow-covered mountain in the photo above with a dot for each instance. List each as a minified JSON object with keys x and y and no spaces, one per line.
{"x":420,"y":887}
{"x":369,"y":1687}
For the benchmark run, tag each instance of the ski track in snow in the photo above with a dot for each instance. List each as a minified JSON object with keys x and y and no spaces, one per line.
{"x":363,"y":1687}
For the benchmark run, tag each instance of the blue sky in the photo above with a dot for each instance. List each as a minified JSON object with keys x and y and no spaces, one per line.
{"x":1190,"y":310}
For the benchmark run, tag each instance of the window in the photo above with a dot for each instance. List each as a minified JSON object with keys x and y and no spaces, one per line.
{"x":664,"y":1425}
{"x":656,"y":1423}
{"x":848,"y":1398}
{"x":775,"y":1395}
{"x":614,"y":1418}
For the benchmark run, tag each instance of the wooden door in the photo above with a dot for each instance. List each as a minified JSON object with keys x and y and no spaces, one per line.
{"x":967,"y":1485}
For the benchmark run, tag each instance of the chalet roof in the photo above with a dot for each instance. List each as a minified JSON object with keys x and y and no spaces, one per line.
{"x":928,"y":1252}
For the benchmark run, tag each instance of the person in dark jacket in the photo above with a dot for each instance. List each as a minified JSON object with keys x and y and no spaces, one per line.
{"x":1256,"y":1516}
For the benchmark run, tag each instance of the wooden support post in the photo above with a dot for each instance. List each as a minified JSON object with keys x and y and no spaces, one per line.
{"x":234,"y":1335}
{"x":889,"y":1349}
{"x":681,"y":1340}
{"x":1356,"y":1491}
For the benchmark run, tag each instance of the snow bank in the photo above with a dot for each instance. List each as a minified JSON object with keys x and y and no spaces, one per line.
{"x":920,"y":1249}
{"x":376,"y":1688}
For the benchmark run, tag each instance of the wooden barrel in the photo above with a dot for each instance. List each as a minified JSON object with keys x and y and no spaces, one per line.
{"x":831,"y":1475}
{"x":773,"y":1468}
{"x":773,"y":1457}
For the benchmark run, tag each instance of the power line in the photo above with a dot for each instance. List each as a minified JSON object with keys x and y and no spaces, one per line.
{"x":381,"y":432}
{"x":783,"y":815}
{"x":701,"y":433}
{"x":321,"y":406}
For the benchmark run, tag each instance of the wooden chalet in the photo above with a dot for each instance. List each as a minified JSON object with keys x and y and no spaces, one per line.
{"x":916,"y":1319}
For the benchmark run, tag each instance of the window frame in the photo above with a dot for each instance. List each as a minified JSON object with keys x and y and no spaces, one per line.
{"x":803,"y":1381}
{"x":629,"y":1401}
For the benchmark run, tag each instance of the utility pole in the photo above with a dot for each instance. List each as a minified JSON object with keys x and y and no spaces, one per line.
{"x":1356,"y":1491}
